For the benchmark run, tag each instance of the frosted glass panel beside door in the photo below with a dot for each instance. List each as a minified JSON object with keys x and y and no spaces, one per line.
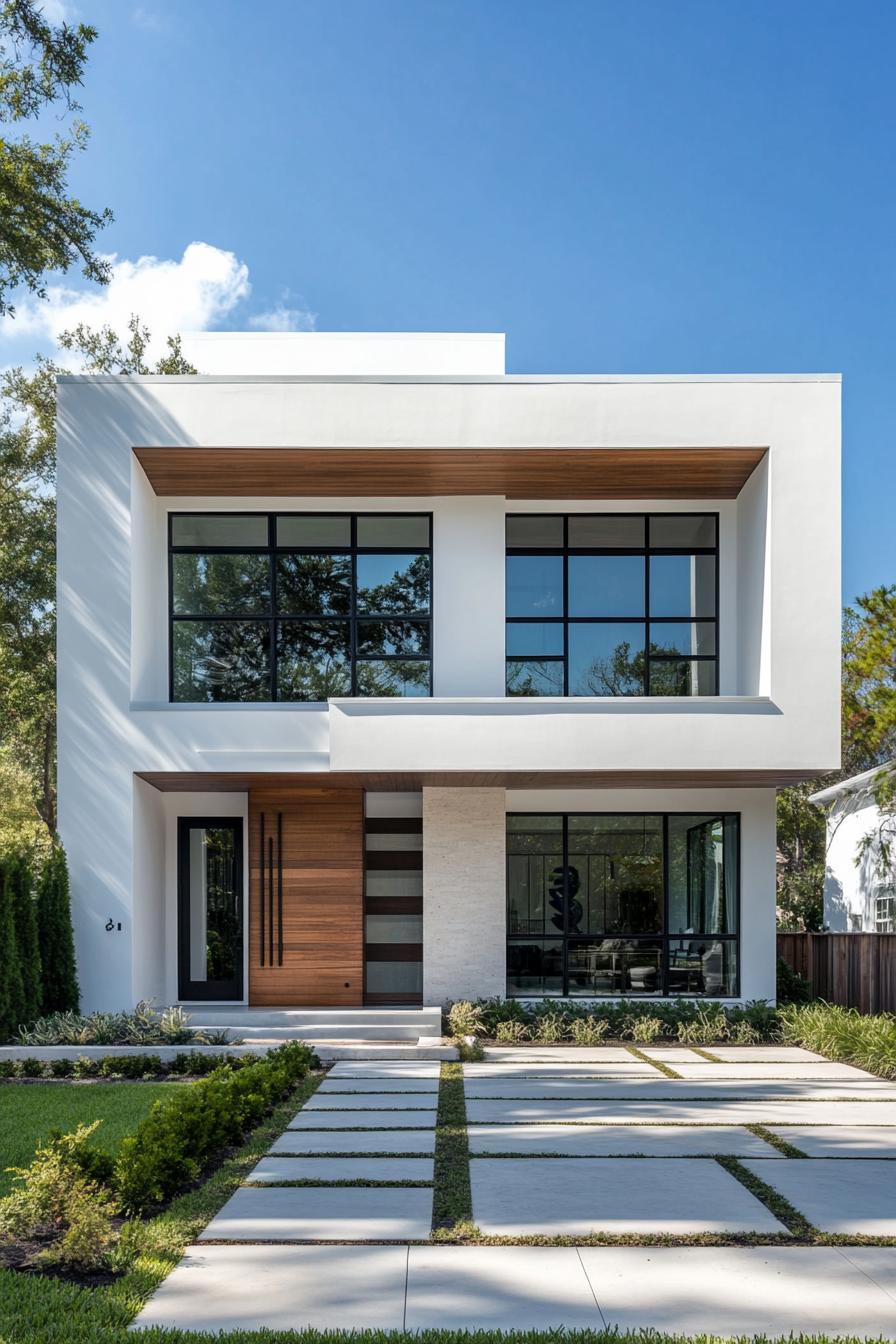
{"x":210,"y":908}
{"x":393,"y":897}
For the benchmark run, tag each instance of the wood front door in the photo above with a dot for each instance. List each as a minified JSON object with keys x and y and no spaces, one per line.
{"x":306,"y":897}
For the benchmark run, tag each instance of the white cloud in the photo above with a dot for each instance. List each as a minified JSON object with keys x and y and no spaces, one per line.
{"x":283,"y":318}
{"x":58,"y":11}
{"x":192,"y":294}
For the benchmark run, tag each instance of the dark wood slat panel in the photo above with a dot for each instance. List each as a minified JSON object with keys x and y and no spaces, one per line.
{"x":394,"y":859}
{"x":517,"y":473}
{"x":394,"y":905}
{"x":322,"y":898}
{"x":855,"y":970}
{"x":394,"y":952}
{"x":394,"y":825}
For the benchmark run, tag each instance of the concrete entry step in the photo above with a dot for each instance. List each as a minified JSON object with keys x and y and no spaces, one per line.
{"x":350,"y":1025}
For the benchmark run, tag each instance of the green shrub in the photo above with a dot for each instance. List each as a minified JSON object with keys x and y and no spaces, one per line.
{"x":465,"y":1019}
{"x":790,"y":986}
{"x":54,"y":1199}
{"x":549,"y":1028}
{"x":7,"y":1068}
{"x":30,"y":1067}
{"x":62,"y":1068}
{"x":197,"y":1065}
{"x":707,"y":1025}
{"x":843,"y":1034}
{"x":85,"y":1067}
{"x":142,"y":1025}
{"x":12,"y":992}
{"x":645,"y":1028}
{"x":588,"y":1030}
{"x":131,"y":1066}
{"x":59,"y":980}
{"x":170,"y":1148}
{"x":511,"y":1030}
{"x":19,"y":882}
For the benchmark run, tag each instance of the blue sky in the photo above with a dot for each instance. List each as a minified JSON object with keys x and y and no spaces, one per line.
{"x":691,"y":185}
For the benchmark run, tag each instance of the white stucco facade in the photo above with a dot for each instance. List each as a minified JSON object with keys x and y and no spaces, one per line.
{"x":774,"y":720}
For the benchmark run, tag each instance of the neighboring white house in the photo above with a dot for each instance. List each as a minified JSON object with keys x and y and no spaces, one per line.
{"x":858,"y":898}
{"x":385,"y":677}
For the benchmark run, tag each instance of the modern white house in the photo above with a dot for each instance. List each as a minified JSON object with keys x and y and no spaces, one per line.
{"x":386,"y":677}
{"x":858,"y":896}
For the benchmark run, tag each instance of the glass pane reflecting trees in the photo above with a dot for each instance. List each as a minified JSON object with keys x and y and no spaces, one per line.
{"x":300,"y":607}
{"x":612,"y":604}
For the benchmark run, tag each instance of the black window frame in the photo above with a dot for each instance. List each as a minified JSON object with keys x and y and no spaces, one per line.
{"x":272,"y":618}
{"x":647,"y":551}
{"x":212,"y":991}
{"x":665,"y":937}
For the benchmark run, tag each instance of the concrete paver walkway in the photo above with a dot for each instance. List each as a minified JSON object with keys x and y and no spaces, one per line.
{"x":599,"y":1141}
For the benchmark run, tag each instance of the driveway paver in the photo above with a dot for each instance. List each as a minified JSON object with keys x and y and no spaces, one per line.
{"x":218,"y":1288}
{"x":743,"y":1290}
{"x":372,"y":1101}
{"x":334,"y":1213}
{"x":325,"y":1119}
{"x":498,"y":1288}
{"x":364,"y":1141}
{"x":385,"y":1068}
{"x":854,"y":1197}
{"x":604,"y":1140}
{"x":351,"y":1086}
{"x":664,"y":1112}
{"x":841,"y":1140}
{"x":752,"y":1054}
{"x":577,"y":1197}
{"x":786,"y":1072}
{"x":275,"y":1170}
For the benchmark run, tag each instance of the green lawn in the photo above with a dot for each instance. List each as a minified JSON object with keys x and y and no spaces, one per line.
{"x":29,"y":1112}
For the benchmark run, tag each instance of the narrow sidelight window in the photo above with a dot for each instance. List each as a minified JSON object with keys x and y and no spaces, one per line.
{"x":612,"y":604}
{"x":622,"y":904}
{"x":299,"y":607}
{"x":210,"y":908}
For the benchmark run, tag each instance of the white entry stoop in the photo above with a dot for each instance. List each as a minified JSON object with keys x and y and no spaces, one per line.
{"x":336,"y":1033}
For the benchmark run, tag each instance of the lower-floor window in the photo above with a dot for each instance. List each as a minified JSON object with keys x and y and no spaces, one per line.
{"x":622,"y":904}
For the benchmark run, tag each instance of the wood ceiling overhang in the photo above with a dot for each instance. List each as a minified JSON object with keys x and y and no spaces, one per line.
{"x":175,"y":781}
{"x":516,"y":473}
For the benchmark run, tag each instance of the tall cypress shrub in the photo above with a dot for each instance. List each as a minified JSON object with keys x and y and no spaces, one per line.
{"x":21,"y":882}
{"x":55,"y":938}
{"x":12,"y":995}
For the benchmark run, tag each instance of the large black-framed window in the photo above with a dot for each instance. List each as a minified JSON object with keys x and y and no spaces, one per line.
{"x":612,"y":604}
{"x":299,"y":606}
{"x":623,"y":904}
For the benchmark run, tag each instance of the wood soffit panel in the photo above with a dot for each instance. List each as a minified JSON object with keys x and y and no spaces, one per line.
{"x":516,"y":473}
{"x":284,"y":784}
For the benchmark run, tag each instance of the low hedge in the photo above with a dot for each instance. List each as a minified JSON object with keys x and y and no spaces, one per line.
{"x":692,"y":1021}
{"x":184,"y":1063}
{"x":180,"y":1136}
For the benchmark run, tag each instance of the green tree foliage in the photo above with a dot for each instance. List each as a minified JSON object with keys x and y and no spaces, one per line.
{"x":868,"y":740}
{"x":57,"y":944}
{"x":28,"y":552}
{"x":43,"y":227}
{"x":19,"y":880}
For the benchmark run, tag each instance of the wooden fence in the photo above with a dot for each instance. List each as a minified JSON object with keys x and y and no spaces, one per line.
{"x":857,"y":970}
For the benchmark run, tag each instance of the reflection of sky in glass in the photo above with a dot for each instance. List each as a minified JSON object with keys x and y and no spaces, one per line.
{"x":533,"y":639}
{"x":606,"y":585}
{"x":378,"y":571}
{"x":682,"y":585}
{"x":534,"y":585}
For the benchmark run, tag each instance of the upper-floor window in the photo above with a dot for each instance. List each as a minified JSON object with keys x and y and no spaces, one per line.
{"x":299,"y":606}
{"x":612,"y":604}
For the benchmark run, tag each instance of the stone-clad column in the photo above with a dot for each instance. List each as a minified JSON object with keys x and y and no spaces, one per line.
{"x":464,"y":900}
